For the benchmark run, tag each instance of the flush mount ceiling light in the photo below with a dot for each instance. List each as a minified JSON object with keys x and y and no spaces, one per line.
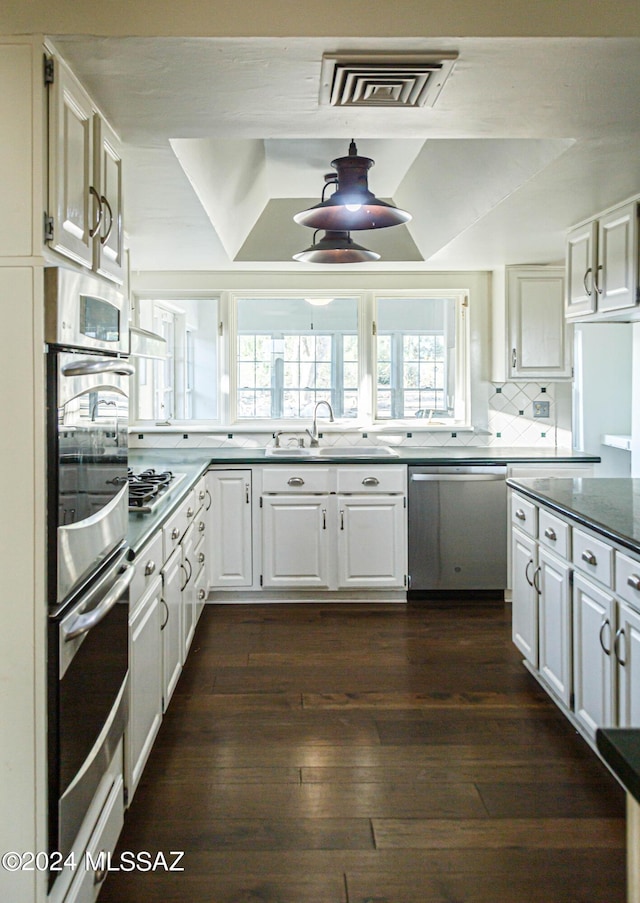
{"x":336,"y":246}
{"x":352,"y":206}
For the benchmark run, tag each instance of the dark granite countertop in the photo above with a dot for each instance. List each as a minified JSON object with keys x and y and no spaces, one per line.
{"x":620,"y":748}
{"x":194,"y":461}
{"x":610,"y":506}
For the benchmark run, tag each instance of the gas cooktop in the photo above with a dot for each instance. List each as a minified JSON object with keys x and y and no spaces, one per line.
{"x":147,"y":488}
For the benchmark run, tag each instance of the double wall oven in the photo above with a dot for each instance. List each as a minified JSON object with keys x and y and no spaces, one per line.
{"x":88,"y":569}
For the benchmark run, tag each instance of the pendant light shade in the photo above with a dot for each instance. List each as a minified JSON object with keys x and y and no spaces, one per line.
{"x":352,"y":206}
{"x":336,"y":246}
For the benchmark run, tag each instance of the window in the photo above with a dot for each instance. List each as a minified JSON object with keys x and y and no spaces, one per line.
{"x":292,"y":354}
{"x":418,"y":367}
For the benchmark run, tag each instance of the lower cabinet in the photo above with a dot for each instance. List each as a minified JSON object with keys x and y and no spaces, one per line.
{"x":171,"y":627}
{"x":295,"y":541}
{"x":229,"y":551}
{"x":576,"y":617}
{"x":371,"y":542}
{"x":145,"y":681}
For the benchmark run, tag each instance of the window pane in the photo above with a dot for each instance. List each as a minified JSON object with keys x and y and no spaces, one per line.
{"x":416,"y":356}
{"x":310,"y":353}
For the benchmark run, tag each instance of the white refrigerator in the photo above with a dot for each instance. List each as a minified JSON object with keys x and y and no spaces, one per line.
{"x":602,"y":395}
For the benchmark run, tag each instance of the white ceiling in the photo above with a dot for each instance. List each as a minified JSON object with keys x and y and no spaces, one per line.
{"x":225,"y":138}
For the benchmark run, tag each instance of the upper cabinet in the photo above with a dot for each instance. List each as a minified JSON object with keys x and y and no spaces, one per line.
{"x":602,"y":266}
{"x":84,"y":216}
{"x":530,"y":336}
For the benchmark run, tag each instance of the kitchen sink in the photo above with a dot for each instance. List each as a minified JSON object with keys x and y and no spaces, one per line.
{"x":355,"y":451}
{"x":333,"y":451}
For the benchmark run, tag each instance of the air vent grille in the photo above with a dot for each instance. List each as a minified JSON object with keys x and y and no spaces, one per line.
{"x":384,"y":80}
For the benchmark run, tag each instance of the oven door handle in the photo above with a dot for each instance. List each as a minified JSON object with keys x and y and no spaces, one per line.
{"x":84,"y":622}
{"x":88,"y":368}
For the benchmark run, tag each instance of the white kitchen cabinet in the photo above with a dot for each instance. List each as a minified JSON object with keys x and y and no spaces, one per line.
{"x":188,"y":589}
{"x":531,"y":339}
{"x":295,"y":541}
{"x":372,"y":542}
{"x":145,"y":679}
{"x":229,"y":546}
{"x":593,"y":666}
{"x":602,"y":265}
{"x":84,"y":216}
{"x":524,"y":564}
{"x":626,"y":649}
{"x":554,"y":623}
{"x":171,"y":626}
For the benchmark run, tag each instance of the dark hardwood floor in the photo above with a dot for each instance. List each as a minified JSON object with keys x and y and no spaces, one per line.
{"x":369,"y":754}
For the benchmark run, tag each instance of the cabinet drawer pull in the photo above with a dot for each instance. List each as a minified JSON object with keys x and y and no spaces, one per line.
{"x":526,"y":571}
{"x":550,"y":533}
{"x":201,"y":526}
{"x":202,"y":594}
{"x":520,"y":514}
{"x":100,"y":210}
{"x":371,"y":481}
{"x":246,"y":493}
{"x":584,"y":281}
{"x":149,"y":568}
{"x":599,"y":269}
{"x":295,"y":481}
{"x":633,"y":581}
{"x":589,"y":557}
{"x":605,"y":623}
{"x":190,"y":511}
{"x":175,"y":533}
{"x":514,"y":358}
{"x":324,"y":518}
{"x":201,"y":557}
{"x":341,"y":519}
{"x":202,"y":495}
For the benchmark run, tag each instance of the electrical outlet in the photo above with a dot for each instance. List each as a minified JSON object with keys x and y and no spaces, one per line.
{"x":540,"y":408}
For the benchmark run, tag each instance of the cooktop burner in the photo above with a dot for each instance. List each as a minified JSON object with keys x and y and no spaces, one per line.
{"x":148,"y":487}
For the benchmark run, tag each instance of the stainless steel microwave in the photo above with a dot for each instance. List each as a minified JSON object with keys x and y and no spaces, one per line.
{"x":84,"y":311}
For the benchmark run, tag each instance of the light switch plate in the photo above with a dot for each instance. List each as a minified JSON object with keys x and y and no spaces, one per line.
{"x":540,"y":408}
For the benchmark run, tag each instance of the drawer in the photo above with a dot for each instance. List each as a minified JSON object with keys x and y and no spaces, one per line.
{"x":202,"y":496}
{"x":307,"y":478}
{"x":148,"y":563}
{"x":524,"y":514}
{"x":628,"y":579}
{"x":176,"y":524}
{"x":553,"y":533}
{"x":361,"y":478}
{"x":593,"y":556}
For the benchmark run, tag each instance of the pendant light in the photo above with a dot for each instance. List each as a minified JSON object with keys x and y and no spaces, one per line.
{"x":352,"y":206}
{"x":336,"y":246}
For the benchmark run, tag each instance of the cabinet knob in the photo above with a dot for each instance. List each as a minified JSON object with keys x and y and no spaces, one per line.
{"x":295,"y":481}
{"x":201,"y":526}
{"x":149,"y":568}
{"x":202,"y":495}
{"x":633,"y":581}
{"x":190,"y":512}
{"x":550,"y":533}
{"x":370,"y":481}
{"x":520,"y":514}
{"x":175,"y":533}
{"x":589,"y":557}
{"x":202,"y":594}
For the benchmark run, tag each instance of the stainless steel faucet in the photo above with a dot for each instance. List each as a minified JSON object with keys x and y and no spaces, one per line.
{"x":313,"y":432}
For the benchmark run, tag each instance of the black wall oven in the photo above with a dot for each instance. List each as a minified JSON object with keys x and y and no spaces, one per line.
{"x":88,"y":571}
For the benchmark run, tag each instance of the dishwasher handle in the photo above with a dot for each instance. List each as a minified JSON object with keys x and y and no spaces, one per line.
{"x":456,"y":477}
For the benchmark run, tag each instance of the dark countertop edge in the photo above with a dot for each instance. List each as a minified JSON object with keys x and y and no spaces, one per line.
{"x":620,"y":748}
{"x":589,"y":522}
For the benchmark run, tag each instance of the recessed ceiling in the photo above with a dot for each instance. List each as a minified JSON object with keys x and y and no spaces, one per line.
{"x":527,"y":137}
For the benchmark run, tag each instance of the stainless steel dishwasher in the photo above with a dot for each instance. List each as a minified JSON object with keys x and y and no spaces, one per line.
{"x":457,"y":529}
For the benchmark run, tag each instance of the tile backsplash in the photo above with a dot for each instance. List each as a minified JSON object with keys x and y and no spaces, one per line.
{"x":510,"y":423}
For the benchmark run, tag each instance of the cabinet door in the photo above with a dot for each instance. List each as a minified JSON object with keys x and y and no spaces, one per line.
{"x":295,"y":541}
{"x":524,"y":628}
{"x":554,"y":624}
{"x":627,"y":651}
{"x":189,"y":570}
{"x":593,"y":671}
{"x":145,"y":681}
{"x":171,"y":625}
{"x":538,"y":343}
{"x":581,"y":264}
{"x":108,"y":257}
{"x":73,"y":206}
{"x":372,"y":542}
{"x":617,"y":275}
{"x":229,"y":528}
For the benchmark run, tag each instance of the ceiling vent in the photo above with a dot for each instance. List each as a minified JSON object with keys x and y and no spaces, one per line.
{"x":384,"y":79}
